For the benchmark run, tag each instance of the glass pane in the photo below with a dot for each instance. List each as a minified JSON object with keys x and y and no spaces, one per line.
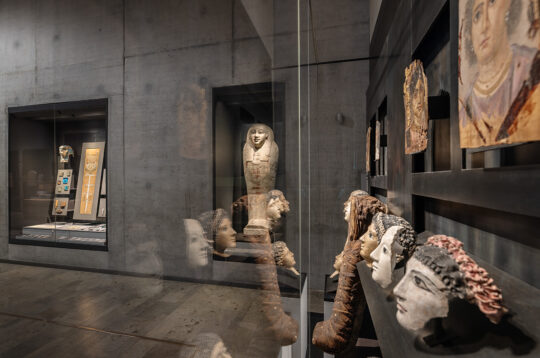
{"x":159,"y":175}
{"x":58,"y":163}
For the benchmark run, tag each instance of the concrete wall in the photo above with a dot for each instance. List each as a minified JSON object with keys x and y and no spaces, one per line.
{"x":336,"y":153}
{"x":157,"y":64}
{"x":374,"y":7}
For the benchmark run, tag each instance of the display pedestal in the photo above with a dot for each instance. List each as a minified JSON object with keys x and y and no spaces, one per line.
{"x":296,"y":307}
{"x":68,"y":233}
{"x":330,"y":288}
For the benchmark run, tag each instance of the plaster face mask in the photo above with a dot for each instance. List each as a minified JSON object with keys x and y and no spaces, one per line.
{"x":385,"y":257}
{"x":225,"y":236}
{"x":197,"y":245}
{"x":420,"y":295}
{"x":369,"y":243}
{"x":258,"y":136}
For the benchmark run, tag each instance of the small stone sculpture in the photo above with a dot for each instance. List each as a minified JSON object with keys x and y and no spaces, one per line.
{"x":218,"y":229}
{"x":283,"y":256}
{"x":437,"y":272}
{"x":65,"y":152}
{"x":397,"y":244}
{"x":196,"y":244}
{"x":276,"y":206}
{"x":415,"y":98}
{"x":260,"y":156}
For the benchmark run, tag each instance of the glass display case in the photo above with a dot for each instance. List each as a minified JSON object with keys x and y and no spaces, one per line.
{"x":57,"y":174}
{"x":262,"y":179}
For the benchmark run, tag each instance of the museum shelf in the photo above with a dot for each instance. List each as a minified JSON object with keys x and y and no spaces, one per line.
{"x":517,"y":335}
{"x":511,"y":190}
{"x":56,"y":150}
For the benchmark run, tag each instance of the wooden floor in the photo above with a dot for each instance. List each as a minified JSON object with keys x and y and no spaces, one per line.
{"x":49,"y":312}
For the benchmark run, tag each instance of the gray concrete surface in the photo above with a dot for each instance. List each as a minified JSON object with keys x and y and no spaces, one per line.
{"x":157,"y":64}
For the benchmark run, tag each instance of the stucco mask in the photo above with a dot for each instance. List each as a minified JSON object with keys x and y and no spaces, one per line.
{"x":420,"y":296}
{"x":385,"y":257}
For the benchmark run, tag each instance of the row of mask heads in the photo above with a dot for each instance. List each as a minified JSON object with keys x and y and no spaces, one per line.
{"x":436,"y":272}
{"x":212,"y":233}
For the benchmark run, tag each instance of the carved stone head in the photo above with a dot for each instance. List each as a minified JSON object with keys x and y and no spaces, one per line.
{"x":283,"y":256}
{"x":218,"y":228}
{"x":276,"y":207}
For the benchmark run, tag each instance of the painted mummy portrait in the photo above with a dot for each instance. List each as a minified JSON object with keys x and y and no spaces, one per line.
{"x":396,"y":246}
{"x":415,"y":99}
{"x":438,"y":272}
{"x":499,"y":72}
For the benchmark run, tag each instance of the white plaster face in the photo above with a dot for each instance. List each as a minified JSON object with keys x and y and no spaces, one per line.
{"x":258,"y":136}
{"x":420,"y":296}
{"x":385,"y":257}
{"x":197,"y":245}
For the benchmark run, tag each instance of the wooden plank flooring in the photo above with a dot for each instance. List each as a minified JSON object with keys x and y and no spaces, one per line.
{"x":49,"y":312}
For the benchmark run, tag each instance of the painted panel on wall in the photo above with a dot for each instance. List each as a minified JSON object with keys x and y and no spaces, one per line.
{"x":499,"y":72}
{"x":415,"y":99}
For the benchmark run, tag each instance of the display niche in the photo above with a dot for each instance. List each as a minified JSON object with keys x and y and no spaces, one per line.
{"x":57,"y":174}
